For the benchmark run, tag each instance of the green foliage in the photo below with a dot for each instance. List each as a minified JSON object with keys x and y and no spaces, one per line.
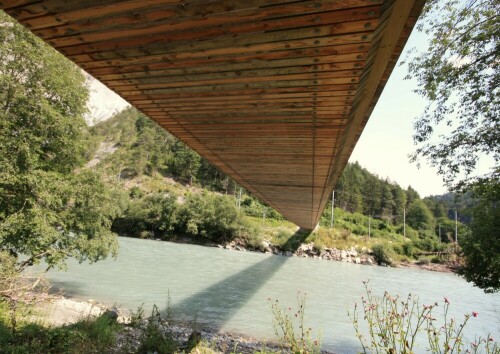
{"x":428,"y":241}
{"x":43,"y":99}
{"x":155,"y":337}
{"x":394,"y":325}
{"x":89,"y":335}
{"x":481,"y":247}
{"x":408,"y":249}
{"x":143,"y":147}
{"x":290,"y":328}
{"x":47,"y":210}
{"x":206,"y":216}
{"x":155,"y":213}
{"x":100,"y":331}
{"x":419,"y":217}
{"x":458,"y":75}
{"x":186,"y":163}
{"x":211,"y":216}
{"x":383,"y":253}
{"x":61,"y":216}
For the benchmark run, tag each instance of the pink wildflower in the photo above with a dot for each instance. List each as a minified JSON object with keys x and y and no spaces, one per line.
{"x":446,"y":300}
{"x":474,"y":313}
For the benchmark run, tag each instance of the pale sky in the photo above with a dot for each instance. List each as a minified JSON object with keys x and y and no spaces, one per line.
{"x":385,"y":144}
{"x":386,"y":141}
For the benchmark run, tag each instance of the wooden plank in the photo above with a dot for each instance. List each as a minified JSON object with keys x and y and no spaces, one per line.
{"x":179,"y":20}
{"x":287,"y":73}
{"x":218,"y":46}
{"x":155,"y":33}
{"x":47,"y":7}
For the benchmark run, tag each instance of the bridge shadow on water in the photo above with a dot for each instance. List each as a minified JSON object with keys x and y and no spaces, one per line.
{"x":217,"y":304}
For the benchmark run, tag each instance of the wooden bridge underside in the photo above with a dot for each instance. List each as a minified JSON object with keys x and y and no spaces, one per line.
{"x":275,"y":93}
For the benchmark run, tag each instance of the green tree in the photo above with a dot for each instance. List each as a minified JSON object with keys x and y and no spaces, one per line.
{"x":399,"y":197}
{"x":481,"y":247}
{"x":372,"y":195}
{"x":349,"y":188}
{"x":411,"y":196}
{"x":152,"y":147}
{"x":388,"y":203}
{"x":50,"y":208}
{"x":419,"y":217}
{"x":185,"y":162}
{"x":459,"y":76}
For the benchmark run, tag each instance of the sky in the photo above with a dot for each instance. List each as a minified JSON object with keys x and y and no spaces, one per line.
{"x":387,"y":140}
{"x":385,"y":143}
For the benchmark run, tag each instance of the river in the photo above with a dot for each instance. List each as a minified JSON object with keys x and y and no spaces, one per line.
{"x":229,"y":289}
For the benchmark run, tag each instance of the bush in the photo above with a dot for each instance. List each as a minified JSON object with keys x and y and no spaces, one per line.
{"x":408,"y":249}
{"x":398,"y":249}
{"x":210,"y":216}
{"x":383,"y":253}
{"x":155,"y":338}
{"x":151,"y":216}
{"x":436,"y":260}
{"x":429,"y":243}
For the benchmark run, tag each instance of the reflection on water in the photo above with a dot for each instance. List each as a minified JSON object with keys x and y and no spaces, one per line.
{"x":229,"y":289}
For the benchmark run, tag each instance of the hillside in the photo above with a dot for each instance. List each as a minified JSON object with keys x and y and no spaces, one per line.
{"x":167,"y":191}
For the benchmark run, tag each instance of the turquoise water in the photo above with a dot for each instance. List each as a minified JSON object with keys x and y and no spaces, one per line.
{"x":229,"y":290}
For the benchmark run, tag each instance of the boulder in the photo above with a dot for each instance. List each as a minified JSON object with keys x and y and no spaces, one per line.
{"x":112,"y":314}
{"x":266,"y":247}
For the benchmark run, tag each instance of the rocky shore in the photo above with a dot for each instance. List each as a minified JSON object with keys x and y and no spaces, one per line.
{"x":307,"y":250}
{"x":57,"y":310}
{"x":310,"y":250}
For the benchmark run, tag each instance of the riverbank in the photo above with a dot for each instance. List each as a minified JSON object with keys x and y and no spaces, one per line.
{"x":57,"y":311}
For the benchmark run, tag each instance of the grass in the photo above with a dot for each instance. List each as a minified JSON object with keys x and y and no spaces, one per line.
{"x":89,"y":335}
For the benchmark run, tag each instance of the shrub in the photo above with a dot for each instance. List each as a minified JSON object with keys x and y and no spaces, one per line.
{"x":290,"y":328}
{"x":398,"y":249}
{"x":155,"y":338}
{"x":383,"y":253}
{"x":210,"y":216}
{"x":436,"y":260}
{"x":408,"y":249}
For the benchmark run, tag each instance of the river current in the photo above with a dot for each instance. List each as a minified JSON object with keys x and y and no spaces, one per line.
{"x":229,"y":290}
